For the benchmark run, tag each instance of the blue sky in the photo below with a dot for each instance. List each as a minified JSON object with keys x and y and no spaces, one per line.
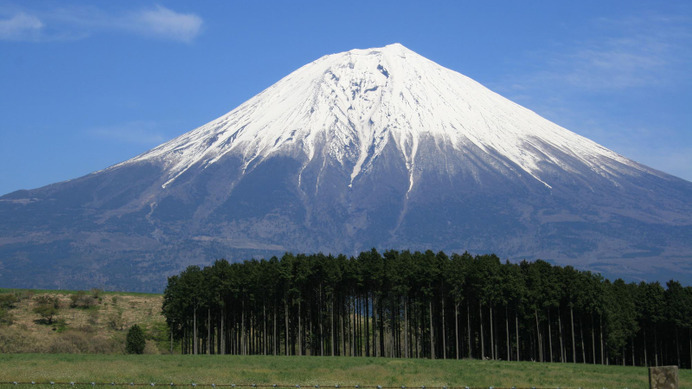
{"x":87,"y":84}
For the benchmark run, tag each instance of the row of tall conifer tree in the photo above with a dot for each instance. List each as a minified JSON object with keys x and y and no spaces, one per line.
{"x":405,"y":304}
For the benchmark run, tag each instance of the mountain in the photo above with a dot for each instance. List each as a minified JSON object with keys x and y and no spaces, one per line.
{"x":367,"y":148}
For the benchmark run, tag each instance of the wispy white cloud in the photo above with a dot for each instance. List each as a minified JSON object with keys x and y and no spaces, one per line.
{"x":20,"y":27}
{"x":631,"y":52}
{"x":82,"y":22}
{"x":135,"y":132}
{"x":164,"y":23}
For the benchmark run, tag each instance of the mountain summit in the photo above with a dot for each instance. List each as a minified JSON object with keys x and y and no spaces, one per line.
{"x":349,"y":107}
{"x":367,"y":148}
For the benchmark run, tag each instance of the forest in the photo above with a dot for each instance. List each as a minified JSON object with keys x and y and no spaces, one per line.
{"x":402,"y":304}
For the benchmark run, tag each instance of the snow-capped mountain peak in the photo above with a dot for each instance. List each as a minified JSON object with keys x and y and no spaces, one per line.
{"x":366,"y":148}
{"x":352,"y":104}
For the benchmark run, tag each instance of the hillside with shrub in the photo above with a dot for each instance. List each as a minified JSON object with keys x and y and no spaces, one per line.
{"x":46,"y":321}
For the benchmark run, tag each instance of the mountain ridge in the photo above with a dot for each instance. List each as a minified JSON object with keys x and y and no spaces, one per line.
{"x":367,"y":148}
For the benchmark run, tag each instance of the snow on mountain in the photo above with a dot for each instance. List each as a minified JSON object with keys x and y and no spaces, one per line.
{"x":350,"y":105}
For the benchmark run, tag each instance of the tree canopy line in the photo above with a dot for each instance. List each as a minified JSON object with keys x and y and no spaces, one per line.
{"x":405,"y":304}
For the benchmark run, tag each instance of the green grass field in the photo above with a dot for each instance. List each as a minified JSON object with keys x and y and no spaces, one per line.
{"x":84,"y":329}
{"x":183,"y":370}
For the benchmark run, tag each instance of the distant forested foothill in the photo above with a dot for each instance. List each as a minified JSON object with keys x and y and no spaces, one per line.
{"x":405,"y":304}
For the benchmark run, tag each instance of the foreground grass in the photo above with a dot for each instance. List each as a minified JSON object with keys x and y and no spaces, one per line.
{"x":310,"y":371}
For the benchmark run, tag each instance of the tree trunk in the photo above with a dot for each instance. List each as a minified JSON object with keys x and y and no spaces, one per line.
{"x":432,"y":343}
{"x":468,"y":327}
{"x":375,"y":344}
{"x":581,"y":336}
{"x":593,"y":340}
{"x":348,"y":351}
{"x":456,"y":328}
{"x":366,"y":318}
{"x":342,"y":325}
{"x":417,"y":333}
{"x":444,"y":331}
{"x":208,"y":330}
{"x":347,"y":328}
{"x":274,"y":331}
{"x":194,"y":331}
{"x":331,"y":323}
{"x":550,"y":337}
{"x":655,"y":347}
{"x":264,"y":330}
{"x":516,"y":329}
{"x":492,"y":333}
{"x":342,"y":343}
{"x":563,"y":353}
{"x":356,"y":326}
{"x":300,"y":330}
{"x":646,"y":357}
{"x":480,"y":310}
{"x":507,"y":332}
{"x":600,"y":321}
{"x":319,"y":320}
{"x":538,"y":336}
{"x":222,"y":344}
{"x":286,"y":337}
{"x":406,"y":342}
{"x":624,"y":356}
{"x":394,"y":338}
{"x":677,"y":344}
{"x":574,"y":345}
{"x":243,"y":339}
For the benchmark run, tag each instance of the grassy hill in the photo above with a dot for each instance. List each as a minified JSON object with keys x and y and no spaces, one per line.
{"x":83,"y":322}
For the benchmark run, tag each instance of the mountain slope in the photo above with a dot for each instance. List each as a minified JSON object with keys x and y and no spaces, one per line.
{"x":367,"y":148}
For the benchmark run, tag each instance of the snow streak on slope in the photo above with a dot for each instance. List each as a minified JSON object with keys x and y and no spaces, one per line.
{"x":348,"y":106}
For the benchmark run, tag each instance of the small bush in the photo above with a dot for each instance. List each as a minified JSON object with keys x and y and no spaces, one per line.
{"x":47,"y":307}
{"x":93,"y":318}
{"x":79,"y":340}
{"x":8,"y":300}
{"x":96,"y":293}
{"x":151,"y":348}
{"x":102,"y":345}
{"x":6,"y":318}
{"x":59,"y":325}
{"x":159,"y":332}
{"x":63,"y":346}
{"x":19,"y":341}
{"x":87,"y":329}
{"x":116,"y":321}
{"x":135,"y":342}
{"x":82,"y":300}
{"x":47,"y":299}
